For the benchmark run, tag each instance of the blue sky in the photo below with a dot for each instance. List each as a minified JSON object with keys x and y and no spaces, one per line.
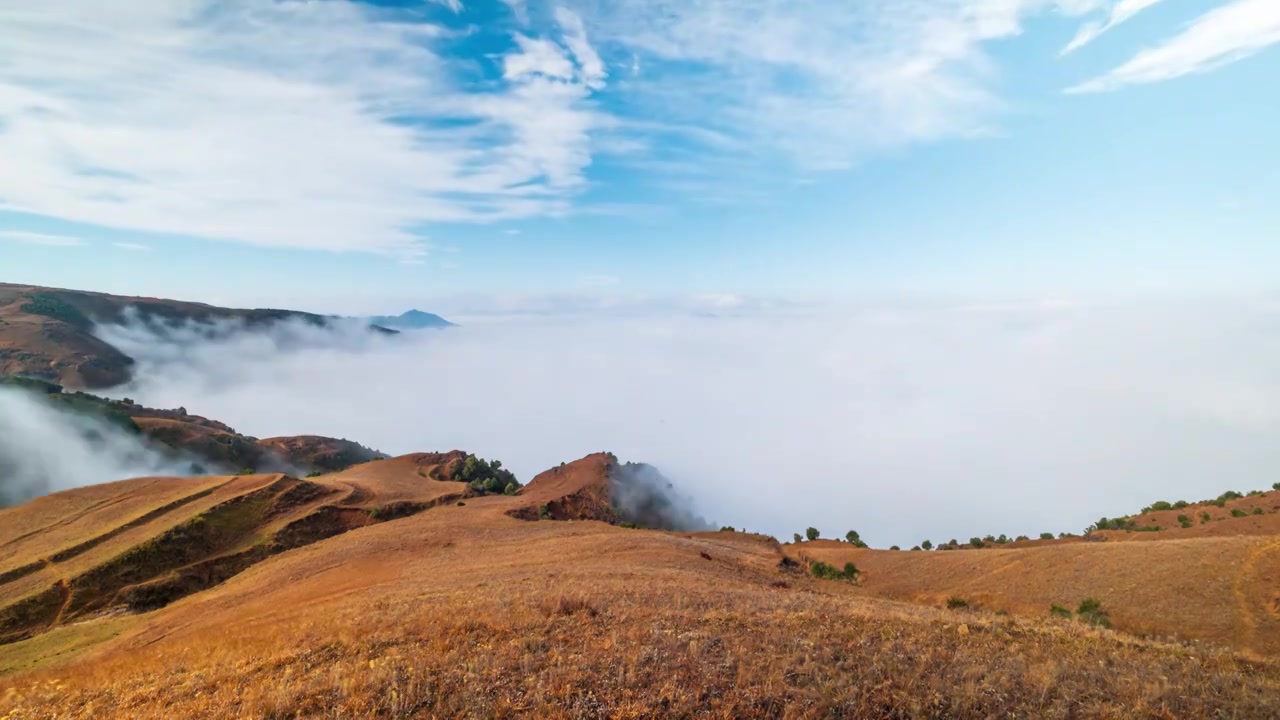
{"x":345,"y":157}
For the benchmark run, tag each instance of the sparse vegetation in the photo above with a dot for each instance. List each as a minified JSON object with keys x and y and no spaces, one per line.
{"x":1057,"y":610}
{"x":827,"y":571}
{"x":1090,"y":611}
{"x":955,"y":602}
{"x":1184,"y":521}
{"x":51,"y":306}
{"x":1237,"y":512}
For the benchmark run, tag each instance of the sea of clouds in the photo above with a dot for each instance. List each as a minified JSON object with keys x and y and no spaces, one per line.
{"x":902,"y":421}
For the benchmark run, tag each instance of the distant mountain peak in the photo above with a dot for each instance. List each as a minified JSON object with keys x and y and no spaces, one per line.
{"x":410,"y":320}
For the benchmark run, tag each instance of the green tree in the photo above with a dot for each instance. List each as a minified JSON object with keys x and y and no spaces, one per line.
{"x":1046,"y":536}
{"x":811,"y":533}
{"x":797,"y":537}
{"x":927,"y":545}
{"x":852,"y":537}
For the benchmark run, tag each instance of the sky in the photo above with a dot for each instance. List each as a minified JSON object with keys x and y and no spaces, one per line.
{"x":483,"y":156}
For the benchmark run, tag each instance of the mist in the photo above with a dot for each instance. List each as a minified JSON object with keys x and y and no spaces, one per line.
{"x":44,"y":449}
{"x":903,"y":422}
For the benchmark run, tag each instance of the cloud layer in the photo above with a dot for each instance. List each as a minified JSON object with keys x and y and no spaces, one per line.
{"x":901,"y":422}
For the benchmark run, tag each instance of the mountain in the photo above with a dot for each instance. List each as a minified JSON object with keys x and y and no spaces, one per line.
{"x":411,"y":320}
{"x":47,"y":333}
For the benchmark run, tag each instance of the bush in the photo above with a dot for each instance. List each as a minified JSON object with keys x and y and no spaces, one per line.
{"x":1257,"y":511}
{"x":1046,"y":536}
{"x":927,"y":545}
{"x":828,"y":571}
{"x":976,"y":542}
{"x":544,"y":512}
{"x":1275,"y":486}
{"x":1180,"y":504}
{"x":1204,"y":517}
{"x":1157,"y":506}
{"x":1002,"y":540}
{"x":1090,"y":611}
{"x":1020,"y":538}
{"x":797,"y":537}
{"x":916,"y":548}
{"x":727,"y":528}
{"x":1237,"y":512}
{"x":854,"y":539}
{"x":1184,"y":521}
{"x":894,"y":547}
{"x":811,"y":533}
{"x":956,"y":602}
{"x":1059,"y":611}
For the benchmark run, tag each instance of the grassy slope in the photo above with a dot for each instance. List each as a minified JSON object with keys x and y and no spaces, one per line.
{"x":467,"y":611}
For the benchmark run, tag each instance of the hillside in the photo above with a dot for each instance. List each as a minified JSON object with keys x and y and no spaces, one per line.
{"x":514,"y":605}
{"x":204,"y":444}
{"x":47,"y":333}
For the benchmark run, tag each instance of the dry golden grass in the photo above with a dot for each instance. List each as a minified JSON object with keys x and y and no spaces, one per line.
{"x":1219,"y":590}
{"x":465,"y":611}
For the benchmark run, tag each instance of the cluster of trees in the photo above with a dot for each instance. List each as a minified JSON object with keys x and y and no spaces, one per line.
{"x":852,"y":537}
{"x":486,"y":477}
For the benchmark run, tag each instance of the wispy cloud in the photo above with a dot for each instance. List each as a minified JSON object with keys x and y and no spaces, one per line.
{"x":821,"y":84}
{"x":133,"y":247}
{"x":1222,"y":36}
{"x":45,"y":239}
{"x":1119,"y":13}
{"x":330,"y":125}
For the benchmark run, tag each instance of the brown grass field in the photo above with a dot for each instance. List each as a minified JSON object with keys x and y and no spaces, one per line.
{"x":462,"y":609}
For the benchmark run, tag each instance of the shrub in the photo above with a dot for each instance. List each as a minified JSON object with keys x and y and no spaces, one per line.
{"x":1275,"y":486}
{"x":926,"y":545}
{"x":916,"y":548}
{"x":828,"y":571}
{"x":1204,"y":517}
{"x":511,"y":489}
{"x":1046,"y":536}
{"x":1257,"y":511}
{"x":1237,"y":512}
{"x":1184,"y":521}
{"x":811,"y":533}
{"x":989,"y":539}
{"x":727,"y":528}
{"x":1157,"y":506}
{"x":313,"y":473}
{"x":1002,"y":539}
{"x":797,"y":537}
{"x":976,"y":542}
{"x":1180,"y":504}
{"x":544,"y":512}
{"x":956,"y":602}
{"x":855,"y":539}
{"x":1059,"y":611}
{"x":1020,"y":538}
{"x":1090,"y":611}
{"x":894,"y":547}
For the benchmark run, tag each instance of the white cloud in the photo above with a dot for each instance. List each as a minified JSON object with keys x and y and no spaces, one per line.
{"x":1222,"y":36}
{"x":35,"y":238}
{"x":824,"y":84}
{"x":330,"y":125}
{"x":902,"y":422}
{"x":134,"y":247}
{"x":1119,"y":13}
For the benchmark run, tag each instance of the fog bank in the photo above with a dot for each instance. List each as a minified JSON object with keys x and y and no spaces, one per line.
{"x":900,"y":422}
{"x":44,"y":449}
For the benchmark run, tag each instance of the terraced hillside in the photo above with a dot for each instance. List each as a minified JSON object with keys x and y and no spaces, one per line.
{"x":542,"y":603}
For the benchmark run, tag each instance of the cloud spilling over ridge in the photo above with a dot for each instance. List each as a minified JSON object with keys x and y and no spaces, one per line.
{"x":899,"y":421}
{"x":44,"y":449}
